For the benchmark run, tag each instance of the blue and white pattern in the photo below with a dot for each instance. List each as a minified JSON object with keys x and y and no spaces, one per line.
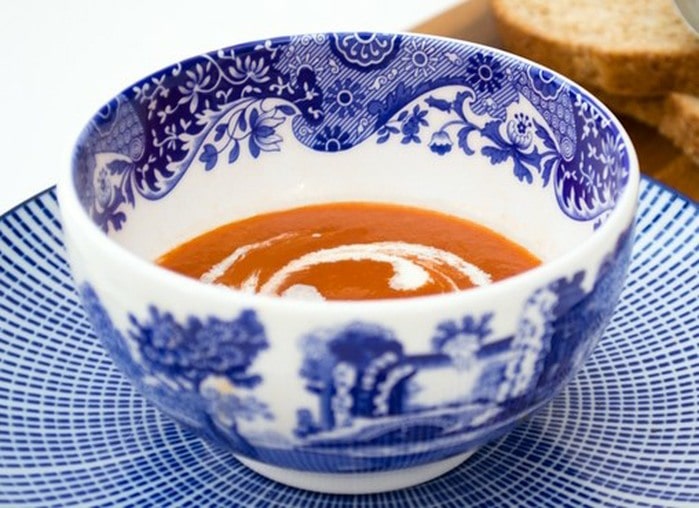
{"x":370,"y":395}
{"x":73,"y":432}
{"x":338,"y":91}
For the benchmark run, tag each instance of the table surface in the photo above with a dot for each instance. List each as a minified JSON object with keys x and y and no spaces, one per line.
{"x":63,"y":60}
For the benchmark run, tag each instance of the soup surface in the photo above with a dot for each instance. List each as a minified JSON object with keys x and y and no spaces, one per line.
{"x":350,"y":251}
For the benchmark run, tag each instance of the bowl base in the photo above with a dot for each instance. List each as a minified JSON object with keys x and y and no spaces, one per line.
{"x":356,"y":483}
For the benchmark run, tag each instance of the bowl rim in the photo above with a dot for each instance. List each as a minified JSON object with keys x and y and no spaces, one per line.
{"x":620,"y":218}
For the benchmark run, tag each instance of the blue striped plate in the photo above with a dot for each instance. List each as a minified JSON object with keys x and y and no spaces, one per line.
{"x":624,"y":433}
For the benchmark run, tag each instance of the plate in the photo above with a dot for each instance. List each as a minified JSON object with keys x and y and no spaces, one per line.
{"x":624,"y":433}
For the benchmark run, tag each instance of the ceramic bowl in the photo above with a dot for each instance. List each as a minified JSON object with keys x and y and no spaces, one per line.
{"x":351,"y":396}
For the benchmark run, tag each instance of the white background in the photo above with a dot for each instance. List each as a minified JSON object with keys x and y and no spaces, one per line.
{"x":61,"y":60}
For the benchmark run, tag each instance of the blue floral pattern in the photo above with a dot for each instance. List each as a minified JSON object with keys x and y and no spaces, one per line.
{"x":484,"y":72}
{"x":365,"y":51}
{"x":345,"y":98}
{"x":337,"y":91}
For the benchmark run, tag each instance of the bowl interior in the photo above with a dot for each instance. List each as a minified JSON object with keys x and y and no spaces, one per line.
{"x":400,"y":118}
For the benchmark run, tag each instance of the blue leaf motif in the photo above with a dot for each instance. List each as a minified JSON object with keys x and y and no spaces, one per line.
{"x":461,"y":98}
{"x":118,"y":220}
{"x":463,"y":139}
{"x":117,"y":167}
{"x":491,"y":130}
{"x":521,"y":172}
{"x":209,"y":156}
{"x":263,"y":131}
{"x":533,"y":159}
{"x":496,"y":155}
{"x":439,"y":104}
{"x":287,"y":110}
{"x":220,"y":131}
{"x":254,"y":114}
{"x":253,"y":147}
{"x":545,"y":137}
{"x":242,"y":122}
{"x":234,"y":153}
{"x":549,"y":167}
{"x":128,"y":192}
{"x":384,"y":133}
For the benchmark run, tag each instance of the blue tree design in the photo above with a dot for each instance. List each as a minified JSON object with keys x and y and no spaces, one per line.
{"x":194,"y":354}
{"x":461,"y":341}
{"x":188,"y":353}
{"x":109,"y":335}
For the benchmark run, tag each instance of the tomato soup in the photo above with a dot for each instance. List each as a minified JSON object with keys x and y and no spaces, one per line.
{"x":350,"y":251}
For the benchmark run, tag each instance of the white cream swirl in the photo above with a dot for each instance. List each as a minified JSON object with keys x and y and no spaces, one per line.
{"x":410,"y":263}
{"x":407,"y":259}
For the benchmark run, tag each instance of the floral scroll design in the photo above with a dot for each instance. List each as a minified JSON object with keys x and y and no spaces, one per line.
{"x":512,"y":140}
{"x":586,"y":182}
{"x":336,"y":91}
{"x":250,"y":122}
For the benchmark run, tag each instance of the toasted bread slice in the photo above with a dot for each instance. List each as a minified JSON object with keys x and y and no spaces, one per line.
{"x":649,"y":110}
{"x":680,"y":122}
{"x":675,"y":116}
{"x":629,"y":47}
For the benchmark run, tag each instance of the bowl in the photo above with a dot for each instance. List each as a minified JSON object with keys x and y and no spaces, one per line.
{"x":351,"y":396}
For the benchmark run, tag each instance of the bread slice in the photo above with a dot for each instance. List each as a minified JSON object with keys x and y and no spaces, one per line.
{"x":649,"y":110}
{"x":680,"y":122}
{"x":627,"y":47}
{"x":675,"y":116}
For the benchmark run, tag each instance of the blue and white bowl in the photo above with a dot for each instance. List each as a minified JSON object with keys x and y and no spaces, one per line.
{"x":351,"y":396}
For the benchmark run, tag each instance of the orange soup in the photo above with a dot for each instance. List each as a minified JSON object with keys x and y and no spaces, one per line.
{"x":350,"y":251}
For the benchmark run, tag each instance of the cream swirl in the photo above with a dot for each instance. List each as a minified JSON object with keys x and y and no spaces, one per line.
{"x":412,"y":265}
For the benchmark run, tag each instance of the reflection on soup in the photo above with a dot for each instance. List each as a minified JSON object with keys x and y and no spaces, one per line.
{"x":350,"y":251}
